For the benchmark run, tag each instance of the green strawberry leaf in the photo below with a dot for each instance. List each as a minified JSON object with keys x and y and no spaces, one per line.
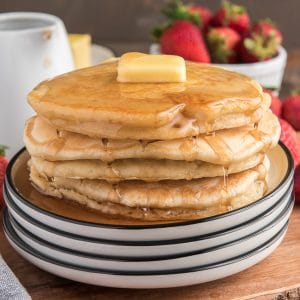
{"x":295,"y":92}
{"x":3,"y":148}
{"x":175,"y":10}
{"x":159,"y":30}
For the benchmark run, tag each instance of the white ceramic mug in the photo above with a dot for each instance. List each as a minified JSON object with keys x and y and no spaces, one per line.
{"x":33,"y":47}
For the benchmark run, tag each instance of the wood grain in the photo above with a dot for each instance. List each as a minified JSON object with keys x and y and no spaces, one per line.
{"x":277,"y":277}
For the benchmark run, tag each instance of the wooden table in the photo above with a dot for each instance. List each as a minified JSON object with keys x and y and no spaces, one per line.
{"x":277,"y":277}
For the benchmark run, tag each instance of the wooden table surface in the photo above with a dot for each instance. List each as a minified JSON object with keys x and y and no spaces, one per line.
{"x":277,"y":277}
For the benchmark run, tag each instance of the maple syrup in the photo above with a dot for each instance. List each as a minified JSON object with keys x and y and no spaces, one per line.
{"x":93,"y":95}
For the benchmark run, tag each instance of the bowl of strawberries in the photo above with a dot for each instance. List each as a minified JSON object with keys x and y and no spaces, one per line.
{"x":225,"y":38}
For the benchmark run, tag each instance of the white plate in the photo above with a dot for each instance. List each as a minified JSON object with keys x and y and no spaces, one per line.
{"x":142,"y":280}
{"x":100,"y":53}
{"x":144,"y":249}
{"x":281,"y":176}
{"x":209,"y":256}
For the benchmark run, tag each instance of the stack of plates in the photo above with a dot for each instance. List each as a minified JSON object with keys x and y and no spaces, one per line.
{"x":68,"y":241}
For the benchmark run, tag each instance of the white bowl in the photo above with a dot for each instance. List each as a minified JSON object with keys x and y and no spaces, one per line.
{"x":143,"y":249}
{"x":268,"y":73}
{"x":204,"y":257}
{"x":142,"y":280}
{"x":281,"y":176}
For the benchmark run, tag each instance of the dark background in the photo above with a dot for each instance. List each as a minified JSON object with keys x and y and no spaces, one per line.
{"x":125,"y":25}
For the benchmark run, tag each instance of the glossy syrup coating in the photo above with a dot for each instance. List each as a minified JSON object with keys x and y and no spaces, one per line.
{"x":93,"y":94}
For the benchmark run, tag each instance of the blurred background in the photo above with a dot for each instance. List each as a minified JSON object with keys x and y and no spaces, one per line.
{"x":125,"y":25}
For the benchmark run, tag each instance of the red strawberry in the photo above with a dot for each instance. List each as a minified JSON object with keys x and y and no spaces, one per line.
{"x":267,"y":28}
{"x":276,"y":104}
{"x":232,"y":15}
{"x":184,"y":39}
{"x":256,"y":47}
{"x":291,"y":110}
{"x":3,"y":165}
{"x":204,"y":13}
{"x":289,"y":138}
{"x":297,"y":184}
{"x":223,"y":43}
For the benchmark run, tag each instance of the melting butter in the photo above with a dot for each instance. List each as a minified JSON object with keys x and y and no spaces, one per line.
{"x":140,"y":67}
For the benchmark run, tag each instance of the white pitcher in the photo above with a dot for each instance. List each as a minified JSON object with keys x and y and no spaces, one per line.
{"x":33,"y":47}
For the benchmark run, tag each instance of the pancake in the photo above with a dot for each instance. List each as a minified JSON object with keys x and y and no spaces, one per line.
{"x":222,"y":147}
{"x":192,"y":194}
{"x":211,"y":99}
{"x":149,"y":170}
{"x":95,"y":194}
{"x":178,"y":128}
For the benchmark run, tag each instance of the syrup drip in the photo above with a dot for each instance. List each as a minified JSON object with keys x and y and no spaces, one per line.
{"x":115,"y":171}
{"x":266,"y":187}
{"x":225,"y":177}
{"x":220,"y":148}
{"x":104,"y":142}
{"x":225,"y":185}
{"x":116,"y":188}
{"x":59,"y":133}
{"x":143,"y":144}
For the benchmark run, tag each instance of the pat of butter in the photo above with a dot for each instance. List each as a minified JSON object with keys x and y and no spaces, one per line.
{"x":81,"y":49}
{"x":140,"y":67}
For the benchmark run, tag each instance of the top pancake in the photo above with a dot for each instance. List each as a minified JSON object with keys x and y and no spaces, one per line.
{"x":94,"y":95}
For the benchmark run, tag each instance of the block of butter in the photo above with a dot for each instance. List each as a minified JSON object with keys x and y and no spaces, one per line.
{"x":140,"y":67}
{"x":81,"y":49}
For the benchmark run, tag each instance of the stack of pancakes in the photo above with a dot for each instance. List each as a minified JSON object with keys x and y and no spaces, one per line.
{"x":151,"y":151}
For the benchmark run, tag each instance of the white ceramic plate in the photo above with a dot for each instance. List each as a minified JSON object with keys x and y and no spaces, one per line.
{"x":208,"y":256}
{"x":144,"y":249}
{"x":142,"y":280}
{"x":100,"y":53}
{"x":281,"y":176}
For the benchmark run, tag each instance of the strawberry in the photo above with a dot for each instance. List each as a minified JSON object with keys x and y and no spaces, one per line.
{"x":256,"y":47}
{"x":204,"y":13}
{"x":223,"y":43}
{"x":289,"y":138}
{"x":184,"y":39}
{"x":297,"y":184}
{"x":276,"y":104}
{"x":261,"y":42}
{"x":176,"y":11}
{"x":267,"y":28}
{"x":3,"y":165}
{"x":291,"y":110}
{"x":232,"y":15}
